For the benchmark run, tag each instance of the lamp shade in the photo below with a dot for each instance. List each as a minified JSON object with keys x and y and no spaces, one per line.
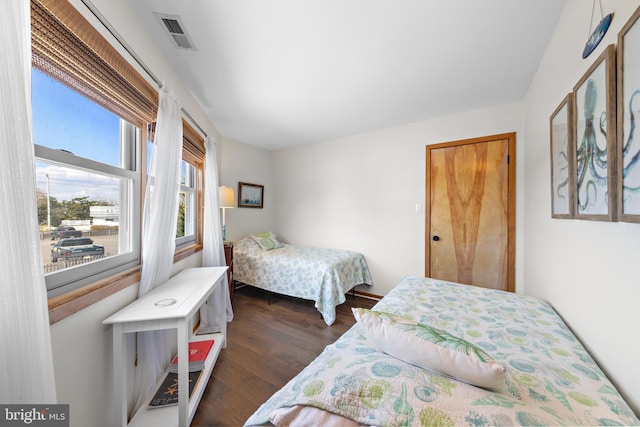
{"x":226,"y":197}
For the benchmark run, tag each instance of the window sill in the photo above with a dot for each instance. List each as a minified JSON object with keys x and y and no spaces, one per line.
{"x":186,"y":251}
{"x":72,"y":302}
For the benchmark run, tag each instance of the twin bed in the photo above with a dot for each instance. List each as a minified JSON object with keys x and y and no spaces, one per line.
{"x":546,"y":376}
{"x":318,"y":274}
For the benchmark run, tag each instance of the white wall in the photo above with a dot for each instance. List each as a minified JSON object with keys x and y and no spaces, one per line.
{"x":245,"y":163}
{"x":361,"y":192}
{"x":587,"y":270}
{"x":82,"y":359}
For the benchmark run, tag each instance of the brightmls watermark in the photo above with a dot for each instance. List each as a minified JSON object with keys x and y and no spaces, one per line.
{"x":34,"y":415}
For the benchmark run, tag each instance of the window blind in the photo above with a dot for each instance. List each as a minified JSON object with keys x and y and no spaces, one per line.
{"x":66,"y":47}
{"x":192,"y":143}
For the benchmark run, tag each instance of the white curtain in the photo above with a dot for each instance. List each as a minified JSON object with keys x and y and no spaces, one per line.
{"x":218,"y":308}
{"x":159,"y":236}
{"x":25,"y":336}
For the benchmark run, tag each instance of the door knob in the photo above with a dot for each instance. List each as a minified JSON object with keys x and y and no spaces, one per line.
{"x":436,"y":238}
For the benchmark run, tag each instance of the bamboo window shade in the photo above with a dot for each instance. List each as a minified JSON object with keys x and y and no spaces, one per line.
{"x":192,"y":143}
{"x":69,"y":49}
{"x":66,"y":47}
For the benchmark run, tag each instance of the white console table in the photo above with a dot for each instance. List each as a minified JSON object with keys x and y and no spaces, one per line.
{"x":170,"y":306}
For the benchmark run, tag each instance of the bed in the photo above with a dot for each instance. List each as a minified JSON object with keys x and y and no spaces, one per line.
{"x":549,"y":377}
{"x":318,"y":274}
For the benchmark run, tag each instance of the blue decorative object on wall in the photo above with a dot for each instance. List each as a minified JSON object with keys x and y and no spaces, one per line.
{"x":597,"y":35}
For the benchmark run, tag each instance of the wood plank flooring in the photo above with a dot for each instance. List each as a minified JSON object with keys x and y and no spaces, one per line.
{"x":268,"y":345}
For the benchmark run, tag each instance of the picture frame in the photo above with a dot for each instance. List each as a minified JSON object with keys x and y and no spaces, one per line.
{"x":628,"y":149}
{"x":250,"y":195}
{"x":594,"y":104}
{"x":563,"y":168}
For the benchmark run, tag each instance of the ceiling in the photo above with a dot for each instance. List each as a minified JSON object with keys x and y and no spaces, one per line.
{"x":281,"y":73}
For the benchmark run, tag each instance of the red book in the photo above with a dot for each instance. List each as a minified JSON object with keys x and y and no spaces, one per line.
{"x":198,"y":351}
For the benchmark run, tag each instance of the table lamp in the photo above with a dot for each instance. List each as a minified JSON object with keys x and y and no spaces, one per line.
{"x":226,"y":200}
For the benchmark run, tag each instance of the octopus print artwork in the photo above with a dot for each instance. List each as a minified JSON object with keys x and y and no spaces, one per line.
{"x":630,"y":156}
{"x":629,"y":106}
{"x":562,"y":170}
{"x":595,"y":160}
{"x":592,"y":155}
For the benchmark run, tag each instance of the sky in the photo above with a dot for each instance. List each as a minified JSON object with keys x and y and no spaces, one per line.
{"x":63,"y":119}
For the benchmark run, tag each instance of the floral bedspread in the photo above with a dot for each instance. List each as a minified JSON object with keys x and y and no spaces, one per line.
{"x":318,"y":274}
{"x":555,"y":380}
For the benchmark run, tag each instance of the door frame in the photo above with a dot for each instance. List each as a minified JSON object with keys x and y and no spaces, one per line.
{"x":511,"y":191}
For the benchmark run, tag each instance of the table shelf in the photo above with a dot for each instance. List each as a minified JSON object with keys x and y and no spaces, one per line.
{"x":170,"y":306}
{"x":161,"y":416}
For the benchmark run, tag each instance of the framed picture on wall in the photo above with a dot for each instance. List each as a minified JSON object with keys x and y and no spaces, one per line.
{"x":628,"y":149}
{"x":563,"y":169}
{"x":595,"y":130}
{"x":250,"y":195}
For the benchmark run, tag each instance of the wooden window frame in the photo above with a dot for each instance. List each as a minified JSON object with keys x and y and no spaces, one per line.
{"x":68,"y":48}
{"x":193,"y":152}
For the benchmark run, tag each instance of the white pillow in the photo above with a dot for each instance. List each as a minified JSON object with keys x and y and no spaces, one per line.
{"x":431,"y":348}
{"x":267,"y":240}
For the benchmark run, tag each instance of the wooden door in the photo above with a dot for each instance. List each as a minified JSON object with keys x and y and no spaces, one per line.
{"x":470,"y":212}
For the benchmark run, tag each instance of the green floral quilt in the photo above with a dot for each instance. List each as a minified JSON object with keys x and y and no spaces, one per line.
{"x":552,"y":378}
{"x":319,"y":274}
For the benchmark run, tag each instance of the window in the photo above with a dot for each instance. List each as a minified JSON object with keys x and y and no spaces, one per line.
{"x":86,"y":178}
{"x":90,"y":109}
{"x":187,"y":202}
{"x":91,"y":115}
{"x":185,"y":232}
{"x":191,"y":169}
{"x":191,"y":188}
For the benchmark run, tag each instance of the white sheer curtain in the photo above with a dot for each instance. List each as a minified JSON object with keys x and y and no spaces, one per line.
{"x":218,"y":308}
{"x":159,"y":236}
{"x":25,"y":336}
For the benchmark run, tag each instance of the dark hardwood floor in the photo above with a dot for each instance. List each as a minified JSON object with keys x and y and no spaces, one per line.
{"x":268,"y":345}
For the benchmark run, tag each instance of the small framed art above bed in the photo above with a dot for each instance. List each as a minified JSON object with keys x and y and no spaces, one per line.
{"x":318,"y":274}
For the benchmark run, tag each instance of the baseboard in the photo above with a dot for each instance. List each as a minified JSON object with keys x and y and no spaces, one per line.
{"x":368,"y":295}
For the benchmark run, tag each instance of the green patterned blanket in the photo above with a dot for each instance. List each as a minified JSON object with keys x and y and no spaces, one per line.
{"x":556,"y":381}
{"x":318,"y":274}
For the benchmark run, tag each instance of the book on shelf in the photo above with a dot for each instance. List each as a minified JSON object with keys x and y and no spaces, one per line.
{"x":167,"y":394}
{"x":198,"y":351}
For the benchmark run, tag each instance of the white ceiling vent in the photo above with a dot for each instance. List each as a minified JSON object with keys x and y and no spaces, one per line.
{"x":176,"y":29}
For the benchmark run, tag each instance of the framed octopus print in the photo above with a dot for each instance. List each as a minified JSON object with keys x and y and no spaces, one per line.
{"x":562,"y":161}
{"x":628,"y":149}
{"x":595,"y":130}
